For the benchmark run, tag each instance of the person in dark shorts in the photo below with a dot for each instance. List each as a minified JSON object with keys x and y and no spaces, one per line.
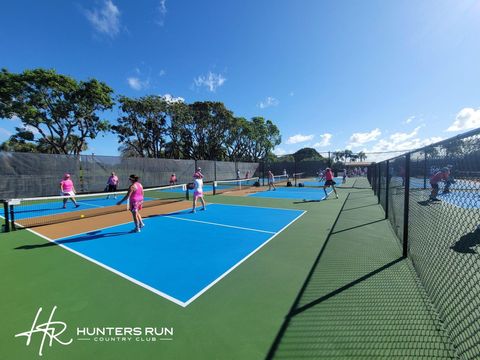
{"x":441,"y":175}
{"x":450,"y":181}
{"x":329,"y":182}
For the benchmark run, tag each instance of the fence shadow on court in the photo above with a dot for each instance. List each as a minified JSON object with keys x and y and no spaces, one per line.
{"x":361,"y":298}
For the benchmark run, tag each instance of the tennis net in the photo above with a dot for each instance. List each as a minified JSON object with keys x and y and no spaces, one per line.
{"x":31,"y":212}
{"x":280,"y":179}
{"x":220,"y":187}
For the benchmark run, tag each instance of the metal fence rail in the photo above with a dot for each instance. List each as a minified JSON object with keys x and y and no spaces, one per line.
{"x":431,"y":196}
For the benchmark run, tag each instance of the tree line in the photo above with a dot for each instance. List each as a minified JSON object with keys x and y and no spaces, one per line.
{"x":60,"y":114}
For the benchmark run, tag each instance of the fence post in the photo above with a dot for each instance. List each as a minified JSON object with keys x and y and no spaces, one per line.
{"x":425,"y":170}
{"x":379,"y":184}
{"x":263,"y":172}
{"x":387,"y":186}
{"x":215,"y":170}
{"x":406,"y":205}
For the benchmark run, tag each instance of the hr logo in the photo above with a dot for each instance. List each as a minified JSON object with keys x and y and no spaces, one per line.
{"x":51,"y":329}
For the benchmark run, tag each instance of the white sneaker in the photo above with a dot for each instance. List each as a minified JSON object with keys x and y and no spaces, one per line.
{"x":142,"y":225}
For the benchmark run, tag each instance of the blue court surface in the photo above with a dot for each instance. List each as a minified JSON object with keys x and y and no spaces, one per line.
{"x":463,"y":199}
{"x":298,"y":193}
{"x":181,"y":255}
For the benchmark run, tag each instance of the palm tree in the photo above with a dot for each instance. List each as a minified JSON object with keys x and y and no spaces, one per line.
{"x":362,"y":156}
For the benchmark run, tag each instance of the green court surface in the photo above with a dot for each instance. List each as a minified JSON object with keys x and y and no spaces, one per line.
{"x":332,"y":285}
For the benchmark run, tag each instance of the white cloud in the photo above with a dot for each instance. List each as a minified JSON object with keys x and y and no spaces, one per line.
{"x":279,"y":151}
{"x":161,"y":72}
{"x":211,"y":81}
{"x":162,"y":12}
{"x":291,"y":93}
{"x":14,"y":118}
{"x":299,"y":138}
{"x":105,"y":20}
{"x":409,"y":120}
{"x":357,"y":139}
{"x":31,"y":129}
{"x":325,"y":140}
{"x":466,"y":119}
{"x":268,"y":102}
{"x":137,"y":84}
{"x":171,"y":99}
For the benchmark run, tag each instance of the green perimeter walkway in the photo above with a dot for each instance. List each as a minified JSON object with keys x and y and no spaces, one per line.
{"x":361,"y":301}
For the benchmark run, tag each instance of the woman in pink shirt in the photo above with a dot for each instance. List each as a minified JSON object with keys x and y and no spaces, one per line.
{"x":112,"y":185}
{"x":135,"y":201}
{"x":67,"y":189}
{"x":329,"y":182}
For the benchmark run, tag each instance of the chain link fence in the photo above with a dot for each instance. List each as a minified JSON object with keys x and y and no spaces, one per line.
{"x":34,"y":174}
{"x":431,"y":196}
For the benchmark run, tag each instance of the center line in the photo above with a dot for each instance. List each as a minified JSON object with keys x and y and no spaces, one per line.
{"x":217,"y":224}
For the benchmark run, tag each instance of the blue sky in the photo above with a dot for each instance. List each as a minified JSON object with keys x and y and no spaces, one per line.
{"x":369,"y":75}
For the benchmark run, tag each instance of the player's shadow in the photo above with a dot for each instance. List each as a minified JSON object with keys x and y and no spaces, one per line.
{"x":467,"y":242}
{"x":92,"y":235}
{"x":307,"y":201}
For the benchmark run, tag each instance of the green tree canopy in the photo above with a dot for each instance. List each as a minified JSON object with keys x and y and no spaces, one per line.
{"x":142,"y":129}
{"x":61,"y":111}
{"x":307,"y":153}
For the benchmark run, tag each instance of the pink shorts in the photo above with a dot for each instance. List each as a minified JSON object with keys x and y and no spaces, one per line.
{"x":136,"y":205}
{"x":197,"y":194}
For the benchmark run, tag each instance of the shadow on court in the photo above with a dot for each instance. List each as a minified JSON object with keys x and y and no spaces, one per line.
{"x":361,"y":299}
{"x":467,"y":243}
{"x":92,"y":235}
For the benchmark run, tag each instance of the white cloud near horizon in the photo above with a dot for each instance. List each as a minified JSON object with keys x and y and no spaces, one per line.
{"x":268,"y":102}
{"x":358,"y":139}
{"x":299,"y":138}
{"x":279,"y":151}
{"x":211,"y":81}
{"x":409,"y":119}
{"x":171,"y":99}
{"x":137,"y":84}
{"x":105,"y":20}
{"x":466,"y":119}
{"x":324,"y":140}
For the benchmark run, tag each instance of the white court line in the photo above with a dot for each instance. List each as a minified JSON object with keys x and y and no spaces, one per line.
{"x":193,"y":298}
{"x":218,"y":224}
{"x":115,"y":271}
{"x":253,"y":206}
{"x":152,"y":289}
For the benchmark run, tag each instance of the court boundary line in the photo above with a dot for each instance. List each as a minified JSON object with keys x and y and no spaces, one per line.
{"x":253,"y":206}
{"x":213,"y":283}
{"x":219,"y":224}
{"x":152,"y":289}
{"x":113,"y":270}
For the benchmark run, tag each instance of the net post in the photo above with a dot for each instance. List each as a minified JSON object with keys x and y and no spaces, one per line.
{"x":6,"y":216}
{"x":214,"y":185}
{"x":387,"y":173}
{"x":12,"y":218}
{"x":406,"y":205}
